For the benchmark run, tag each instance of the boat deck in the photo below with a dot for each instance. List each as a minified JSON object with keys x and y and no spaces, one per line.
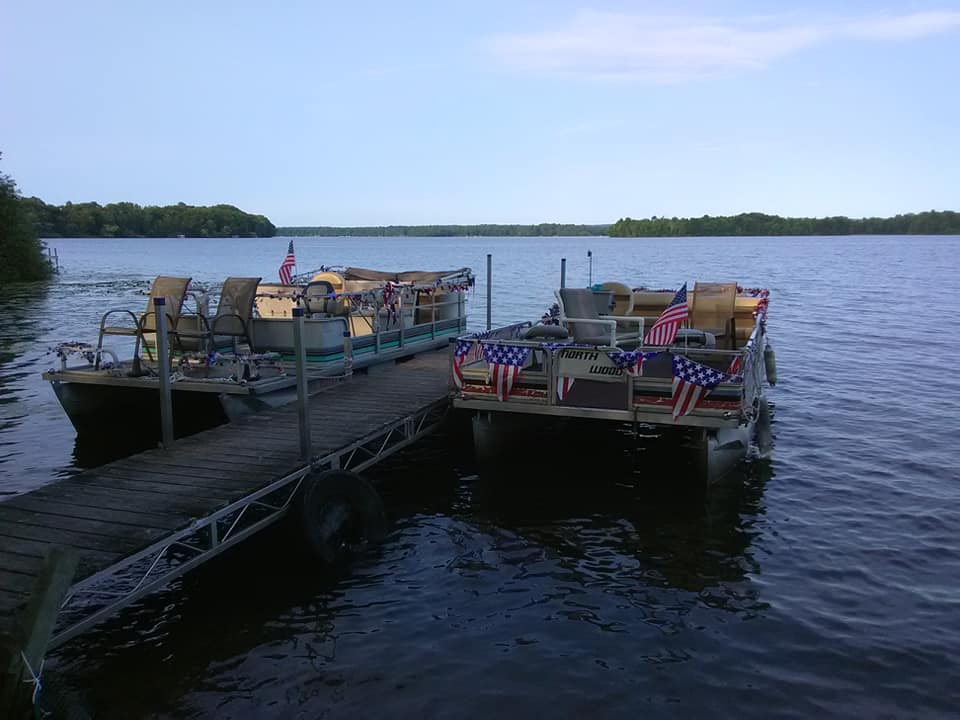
{"x":137,"y":522}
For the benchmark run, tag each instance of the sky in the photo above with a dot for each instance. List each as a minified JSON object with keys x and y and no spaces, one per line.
{"x":372,"y":113}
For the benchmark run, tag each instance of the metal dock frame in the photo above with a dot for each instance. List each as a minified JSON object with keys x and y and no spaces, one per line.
{"x":153,"y":567}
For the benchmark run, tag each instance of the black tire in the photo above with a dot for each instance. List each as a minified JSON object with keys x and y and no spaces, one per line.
{"x":339,"y":510}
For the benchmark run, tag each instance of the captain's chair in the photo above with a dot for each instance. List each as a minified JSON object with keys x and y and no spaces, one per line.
{"x":578,"y":313}
{"x":712,"y":311}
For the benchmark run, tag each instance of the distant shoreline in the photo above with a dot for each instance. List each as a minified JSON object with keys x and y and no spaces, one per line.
{"x":743,"y":225}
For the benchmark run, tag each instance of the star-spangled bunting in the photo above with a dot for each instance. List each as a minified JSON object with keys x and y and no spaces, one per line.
{"x":460,"y":352}
{"x":691,"y":383}
{"x":664,"y":330}
{"x":477,"y":350}
{"x":506,"y":362}
{"x":631,"y":362}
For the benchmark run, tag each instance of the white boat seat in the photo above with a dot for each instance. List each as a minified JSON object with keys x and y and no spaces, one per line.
{"x":579,"y":313}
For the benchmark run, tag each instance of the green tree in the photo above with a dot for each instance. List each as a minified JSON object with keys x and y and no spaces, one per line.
{"x":21,"y":254}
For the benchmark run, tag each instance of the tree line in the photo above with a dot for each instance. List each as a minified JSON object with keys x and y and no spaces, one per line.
{"x":489,"y":230}
{"x":125,"y":219}
{"x":759,"y":224}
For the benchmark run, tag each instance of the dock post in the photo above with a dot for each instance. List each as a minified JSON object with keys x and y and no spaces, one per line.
{"x":563,"y":272}
{"x":163,"y":371}
{"x":22,"y":653}
{"x":300,"y":351}
{"x":489,"y":287}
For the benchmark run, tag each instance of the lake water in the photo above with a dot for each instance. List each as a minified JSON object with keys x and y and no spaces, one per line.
{"x":824,"y":581}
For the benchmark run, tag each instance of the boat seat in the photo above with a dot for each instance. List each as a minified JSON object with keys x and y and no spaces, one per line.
{"x":699,"y":338}
{"x":232,"y":320}
{"x":579,"y":314}
{"x":315,"y":296}
{"x":622,"y":297}
{"x":712,"y":310}
{"x":173,"y":289}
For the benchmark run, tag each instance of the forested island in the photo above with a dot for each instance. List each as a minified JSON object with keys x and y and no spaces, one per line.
{"x":125,"y":219}
{"x":541,"y":230}
{"x":759,"y":224}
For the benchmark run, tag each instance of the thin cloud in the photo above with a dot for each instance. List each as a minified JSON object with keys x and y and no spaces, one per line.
{"x":906,"y":27}
{"x":671,"y":49}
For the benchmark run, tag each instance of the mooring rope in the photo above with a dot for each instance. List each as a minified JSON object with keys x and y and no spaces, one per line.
{"x":34,"y":677}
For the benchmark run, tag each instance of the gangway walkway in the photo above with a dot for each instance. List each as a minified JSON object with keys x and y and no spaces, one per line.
{"x":134,"y":524}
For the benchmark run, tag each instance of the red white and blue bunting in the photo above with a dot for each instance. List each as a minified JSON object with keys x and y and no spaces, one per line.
{"x":692,"y":381}
{"x":630,"y":361}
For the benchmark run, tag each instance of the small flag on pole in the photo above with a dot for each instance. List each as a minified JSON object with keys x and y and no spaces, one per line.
{"x":665,"y":329}
{"x":286,"y":267}
{"x":691,"y":383}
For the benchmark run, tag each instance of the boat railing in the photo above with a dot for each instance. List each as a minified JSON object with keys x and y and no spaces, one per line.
{"x":392,"y":302}
{"x":549,"y":359}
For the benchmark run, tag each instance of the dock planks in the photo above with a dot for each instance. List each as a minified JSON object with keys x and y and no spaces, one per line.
{"x":114,"y":511}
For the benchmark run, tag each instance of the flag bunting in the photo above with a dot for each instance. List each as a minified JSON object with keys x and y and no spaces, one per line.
{"x":460,"y":352}
{"x":505,"y":363}
{"x":630,"y":361}
{"x":691,"y":383}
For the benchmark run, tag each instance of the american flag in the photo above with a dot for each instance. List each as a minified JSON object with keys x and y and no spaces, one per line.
{"x":735,"y":364}
{"x":631,"y":362}
{"x":564,"y":384}
{"x":286,"y":267}
{"x":460,"y":352}
{"x":691,"y":383}
{"x":506,"y":362}
{"x":664,"y":330}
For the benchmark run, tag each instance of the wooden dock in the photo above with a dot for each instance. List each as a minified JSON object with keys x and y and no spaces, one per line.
{"x":134,"y":524}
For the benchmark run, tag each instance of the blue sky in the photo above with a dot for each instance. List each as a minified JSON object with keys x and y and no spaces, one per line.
{"x":437,"y":112}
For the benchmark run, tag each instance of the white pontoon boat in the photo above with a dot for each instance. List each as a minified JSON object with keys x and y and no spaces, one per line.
{"x":610,"y":353}
{"x":240,"y":359}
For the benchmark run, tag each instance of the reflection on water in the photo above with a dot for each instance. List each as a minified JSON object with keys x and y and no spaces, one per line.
{"x":20,"y":330}
{"x":477,"y":569}
{"x":588,"y":578}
